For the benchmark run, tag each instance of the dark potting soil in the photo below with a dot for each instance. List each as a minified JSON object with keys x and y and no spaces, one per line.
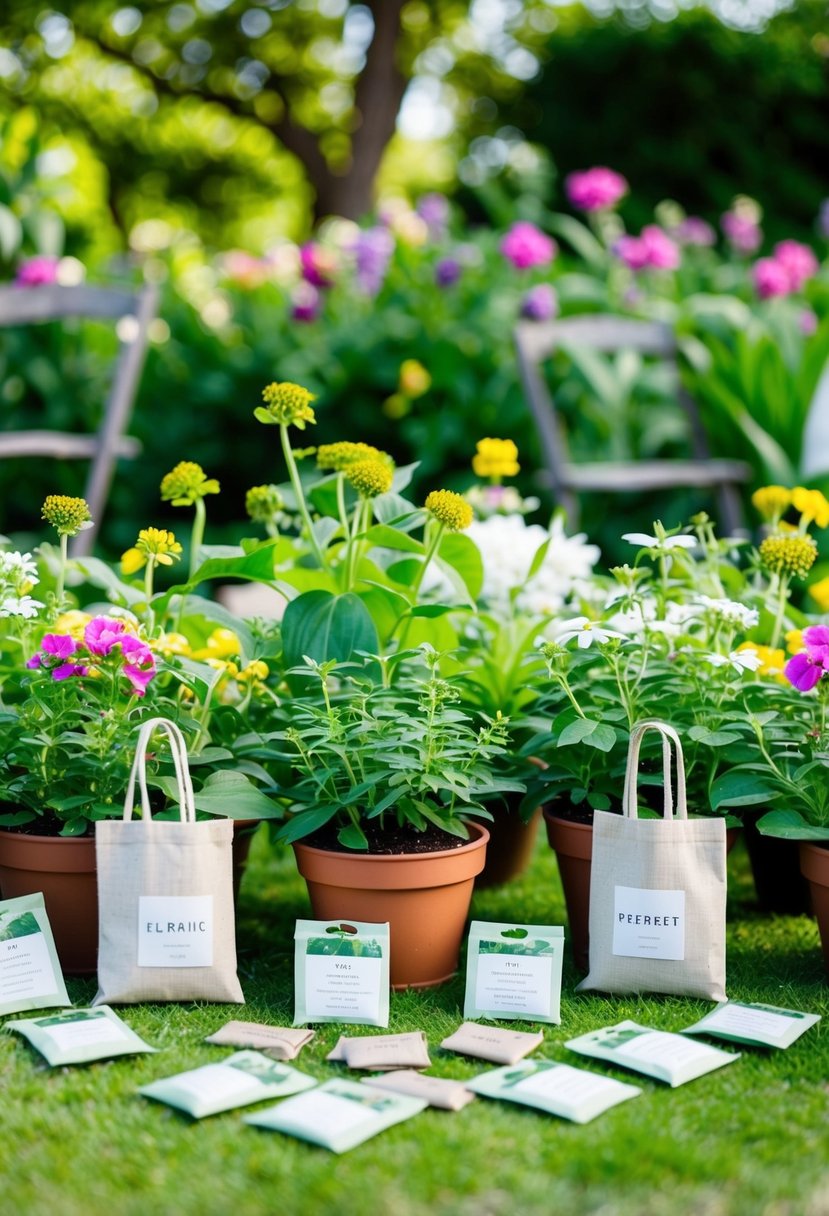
{"x":45,"y":824}
{"x":388,"y":840}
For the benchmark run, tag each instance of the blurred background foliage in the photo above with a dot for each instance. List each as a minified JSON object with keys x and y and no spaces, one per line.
{"x":144,"y":139}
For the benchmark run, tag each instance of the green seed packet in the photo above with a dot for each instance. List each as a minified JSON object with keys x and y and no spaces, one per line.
{"x":338,"y":1115}
{"x":243,"y":1078}
{"x":341,"y":972}
{"x":656,"y":1053}
{"x":30,"y":974}
{"x":514,"y":971}
{"x":759,"y":1025}
{"x":80,"y":1036}
{"x":558,"y":1089}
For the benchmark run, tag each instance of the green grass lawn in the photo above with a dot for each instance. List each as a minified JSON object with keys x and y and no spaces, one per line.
{"x":751,"y":1139}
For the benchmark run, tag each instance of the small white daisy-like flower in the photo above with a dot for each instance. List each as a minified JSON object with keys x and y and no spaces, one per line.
{"x":586,"y":631}
{"x":644,"y":541}
{"x":741,"y":660}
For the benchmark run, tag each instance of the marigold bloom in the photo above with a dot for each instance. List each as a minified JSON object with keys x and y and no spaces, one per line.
{"x":772,"y":501}
{"x":790,"y":554}
{"x":186,"y":483}
{"x":157,"y":543}
{"x":495,"y":458}
{"x":450,"y":509}
{"x":68,"y":516}
{"x":369,"y":477}
{"x":338,"y":456}
{"x":286,"y":404}
{"x":812,"y":506}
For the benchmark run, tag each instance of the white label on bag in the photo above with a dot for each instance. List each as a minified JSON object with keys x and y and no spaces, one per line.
{"x":649,"y":924}
{"x":342,"y":985}
{"x":516,"y":983}
{"x":175,"y":931}
{"x":26,"y":968}
{"x":86,"y":1031}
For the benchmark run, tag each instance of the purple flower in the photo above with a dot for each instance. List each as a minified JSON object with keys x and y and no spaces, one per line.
{"x":595,"y":189}
{"x":372,"y":252}
{"x":525,"y":246}
{"x":695,"y":231}
{"x":102,"y":633}
{"x":823,"y":218}
{"x":318,"y":264}
{"x":540,"y":303}
{"x":54,"y":646}
{"x":631,"y":250}
{"x":805,"y":669}
{"x":66,"y":670}
{"x":797,"y":260}
{"x":447,"y":272}
{"x":742,"y":232}
{"x":306,"y":302}
{"x":434,"y":210}
{"x":770,"y":278}
{"x":37,"y":272}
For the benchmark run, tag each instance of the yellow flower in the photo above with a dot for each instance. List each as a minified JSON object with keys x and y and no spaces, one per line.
{"x":286,"y":404}
{"x":155,"y":543}
{"x":263,"y":503}
{"x":338,"y":456}
{"x":186,"y":483}
{"x":450,"y":509}
{"x":812,"y":506}
{"x":369,"y":477}
{"x":771,"y":660}
{"x":73,"y":622}
{"x":414,"y":379}
{"x":254,"y":673}
{"x":397,"y":406}
{"x":495,"y":458}
{"x":172,"y":643}
{"x":771,"y":501}
{"x":68,"y":516}
{"x":794,"y":641}
{"x":819,"y":592}
{"x":789,"y":554}
{"x":222,"y":644}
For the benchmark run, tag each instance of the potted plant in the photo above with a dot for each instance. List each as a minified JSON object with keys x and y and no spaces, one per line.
{"x":389,"y":775}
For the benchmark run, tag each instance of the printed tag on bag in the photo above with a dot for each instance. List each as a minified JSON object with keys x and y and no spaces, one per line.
{"x":649,"y":924}
{"x":570,"y":1093}
{"x":30,"y":974}
{"x":175,"y":931}
{"x":240,"y":1080}
{"x":338,"y":1115}
{"x":656,"y":1053}
{"x":80,"y":1036}
{"x":514,"y":971}
{"x":761,"y":1025}
{"x":341,"y":972}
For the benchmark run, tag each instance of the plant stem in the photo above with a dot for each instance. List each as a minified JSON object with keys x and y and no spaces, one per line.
{"x":197,"y":535}
{"x":61,"y":579}
{"x":293,"y":473}
{"x":782,"y":596}
{"x":415,"y":588}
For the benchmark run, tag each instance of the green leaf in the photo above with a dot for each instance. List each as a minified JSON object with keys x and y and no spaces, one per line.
{"x":10,"y":233}
{"x":352,"y":837}
{"x":232,"y":795}
{"x":576,"y":732}
{"x":737,"y":788}
{"x":325,"y":626}
{"x":712,"y":738}
{"x":790,"y":825}
{"x":384,"y":537}
{"x":462,"y":555}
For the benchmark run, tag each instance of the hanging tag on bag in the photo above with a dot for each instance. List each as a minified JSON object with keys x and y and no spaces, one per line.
{"x":165,"y":895}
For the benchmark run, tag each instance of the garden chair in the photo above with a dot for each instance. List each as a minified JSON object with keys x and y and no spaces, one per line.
{"x":535,"y":342}
{"x":131,"y":312}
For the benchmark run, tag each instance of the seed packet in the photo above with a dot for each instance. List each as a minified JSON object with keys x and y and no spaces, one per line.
{"x":492,"y":1043}
{"x":341,"y":972}
{"x":437,"y":1091}
{"x":383,"y":1052}
{"x":80,"y":1036}
{"x":759,"y":1025}
{"x":656,"y":1053}
{"x":30,"y":974}
{"x":570,"y":1093}
{"x":514,"y":971}
{"x":243,"y":1078}
{"x":278,"y":1042}
{"x":338,"y":1115}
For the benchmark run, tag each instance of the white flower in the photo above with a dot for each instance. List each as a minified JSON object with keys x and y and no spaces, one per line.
{"x":586,"y":631}
{"x":730,"y":611}
{"x":22,"y":605}
{"x":18,"y":572}
{"x":740,"y":660}
{"x":644,"y":541}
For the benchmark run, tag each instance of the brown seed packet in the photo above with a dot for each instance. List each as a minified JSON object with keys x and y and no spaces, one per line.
{"x":383,"y":1052}
{"x":278,"y":1042}
{"x":437,"y":1091}
{"x":492,"y":1043}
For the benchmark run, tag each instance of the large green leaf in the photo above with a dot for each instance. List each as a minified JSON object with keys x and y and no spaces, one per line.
{"x":790,"y":825}
{"x":463,"y":556}
{"x":738,"y":788}
{"x":325,"y":626}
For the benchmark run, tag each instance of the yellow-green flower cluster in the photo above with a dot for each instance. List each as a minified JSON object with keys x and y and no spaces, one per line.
{"x":263,"y":503}
{"x":789,"y":553}
{"x":338,"y":456}
{"x":68,"y":516}
{"x":495,"y":458}
{"x":772,"y":502}
{"x":369,"y":477}
{"x":812,"y":505}
{"x":157,"y":543}
{"x":186,"y":483}
{"x":450,"y":509}
{"x":286,"y":404}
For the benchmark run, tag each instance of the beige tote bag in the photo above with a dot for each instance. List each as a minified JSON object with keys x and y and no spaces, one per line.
{"x":166,"y":929}
{"x":657,"y":891}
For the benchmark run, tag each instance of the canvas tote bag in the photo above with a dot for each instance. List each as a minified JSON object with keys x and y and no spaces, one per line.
{"x":166,"y":928}
{"x":657,"y":891}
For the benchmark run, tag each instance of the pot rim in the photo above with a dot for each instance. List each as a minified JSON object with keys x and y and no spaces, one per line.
{"x":359,"y":855}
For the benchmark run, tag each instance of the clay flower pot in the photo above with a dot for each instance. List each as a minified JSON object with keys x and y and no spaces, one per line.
{"x":63,"y":868}
{"x":776,"y":869}
{"x":423,"y":896}
{"x":511,"y":844}
{"x":814,"y":862}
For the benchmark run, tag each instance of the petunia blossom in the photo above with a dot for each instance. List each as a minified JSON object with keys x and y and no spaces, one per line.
{"x":66,"y":670}
{"x":526,"y":246}
{"x":805,"y":670}
{"x":595,"y":189}
{"x":102,"y":633}
{"x":797,"y":260}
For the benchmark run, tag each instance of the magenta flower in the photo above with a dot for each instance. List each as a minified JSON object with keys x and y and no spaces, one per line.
{"x":139,"y":667}
{"x":653,"y":249}
{"x":66,"y":670}
{"x":797,"y":260}
{"x":53,"y":646}
{"x":540,"y":303}
{"x":770,"y":278}
{"x":805,"y":669}
{"x":306,"y":302}
{"x":102,"y":633}
{"x":595,"y":189}
{"x":37,"y":272}
{"x":631,"y":250}
{"x":743,"y":234}
{"x":318,"y":264}
{"x":526,"y":246}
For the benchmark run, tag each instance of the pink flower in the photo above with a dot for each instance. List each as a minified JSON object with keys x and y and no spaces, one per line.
{"x":139,"y":668}
{"x":245,"y":270}
{"x":797,"y":260}
{"x":807,"y":322}
{"x":695,"y":231}
{"x":653,"y":249}
{"x":306,"y":302}
{"x":631,"y":250}
{"x":318,"y":264}
{"x":595,"y":189}
{"x":525,"y":246}
{"x":540,"y":303}
{"x":54,"y":646}
{"x":37,"y":272}
{"x":770,"y":278}
{"x":742,"y":233}
{"x":102,"y":633}
{"x":805,"y":670}
{"x":67,"y":670}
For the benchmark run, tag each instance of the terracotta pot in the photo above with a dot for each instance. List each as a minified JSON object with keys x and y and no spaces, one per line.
{"x":423,"y":896}
{"x":510,"y":848}
{"x":775,"y":867}
{"x":814,"y":862}
{"x":63,"y":868}
{"x":244,"y":831}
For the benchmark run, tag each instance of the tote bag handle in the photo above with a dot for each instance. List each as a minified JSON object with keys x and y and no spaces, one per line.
{"x":669,"y":736}
{"x":178,"y":750}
